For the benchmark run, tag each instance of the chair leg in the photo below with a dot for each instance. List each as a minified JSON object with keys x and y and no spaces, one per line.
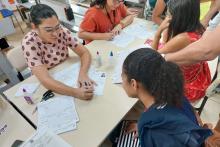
{"x":18,"y":24}
{"x":20,"y":77}
{"x":202,"y":105}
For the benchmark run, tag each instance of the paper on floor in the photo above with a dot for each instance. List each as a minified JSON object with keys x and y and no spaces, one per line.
{"x":30,"y":88}
{"x":58,"y":114}
{"x":45,"y":138}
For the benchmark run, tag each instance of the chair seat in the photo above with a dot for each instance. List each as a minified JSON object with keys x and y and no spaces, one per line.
{"x":6,"y":12}
{"x":18,"y":63}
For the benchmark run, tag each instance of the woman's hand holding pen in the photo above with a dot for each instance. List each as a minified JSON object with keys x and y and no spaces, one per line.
{"x":117,"y":29}
{"x":85,"y":87}
{"x":85,"y":92}
{"x":85,"y":81}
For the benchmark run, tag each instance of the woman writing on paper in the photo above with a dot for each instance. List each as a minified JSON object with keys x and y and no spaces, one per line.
{"x":46,"y":45}
{"x":104,"y":20}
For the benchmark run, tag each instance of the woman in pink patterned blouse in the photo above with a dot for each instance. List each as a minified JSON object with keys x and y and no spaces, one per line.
{"x":46,"y":45}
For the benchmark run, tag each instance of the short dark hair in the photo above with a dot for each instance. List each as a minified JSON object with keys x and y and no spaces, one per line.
{"x":185,"y":17}
{"x":100,"y":3}
{"x":162,"y":79}
{"x":41,"y":11}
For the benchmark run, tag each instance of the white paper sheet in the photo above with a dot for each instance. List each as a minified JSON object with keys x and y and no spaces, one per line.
{"x":140,"y":30}
{"x":58,"y":114}
{"x":45,"y":138}
{"x":30,"y":88}
{"x":123,"y":39}
{"x":116,"y":78}
{"x":69,"y":76}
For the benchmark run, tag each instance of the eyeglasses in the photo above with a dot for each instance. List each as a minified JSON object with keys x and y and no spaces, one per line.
{"x":51,"y":29}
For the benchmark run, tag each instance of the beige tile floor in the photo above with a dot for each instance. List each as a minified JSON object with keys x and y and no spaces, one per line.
{"x":209,"y":114}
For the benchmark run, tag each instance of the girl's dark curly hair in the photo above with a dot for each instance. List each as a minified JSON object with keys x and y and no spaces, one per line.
{"x":162,"y":79}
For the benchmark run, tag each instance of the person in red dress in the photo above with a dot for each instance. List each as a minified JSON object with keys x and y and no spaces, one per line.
{"x":182,"y":30}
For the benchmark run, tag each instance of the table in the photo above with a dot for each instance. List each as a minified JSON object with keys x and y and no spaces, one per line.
{"x":99,"y":116}
{"x":14,"y":125}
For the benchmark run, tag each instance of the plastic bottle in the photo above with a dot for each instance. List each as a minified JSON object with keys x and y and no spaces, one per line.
{"x":98,"y":60}
{"x":111,"y":59}
{"x":27,"y":97}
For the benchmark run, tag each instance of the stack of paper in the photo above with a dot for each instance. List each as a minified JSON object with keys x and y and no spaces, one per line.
{"x":57,"y":114}
{"x":45,"y":138}
{"x":69,"y":76}
{"x":29,"y":87}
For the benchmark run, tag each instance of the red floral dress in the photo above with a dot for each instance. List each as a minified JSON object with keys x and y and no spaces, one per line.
{"x":197,"y":76}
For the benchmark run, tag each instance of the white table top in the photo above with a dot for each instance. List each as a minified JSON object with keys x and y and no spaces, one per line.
{"x":98,"y":116}
{"x":15,"y":126}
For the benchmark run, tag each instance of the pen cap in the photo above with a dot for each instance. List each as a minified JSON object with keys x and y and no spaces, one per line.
{"x":24,"y":90}
{"x":111,"y":53}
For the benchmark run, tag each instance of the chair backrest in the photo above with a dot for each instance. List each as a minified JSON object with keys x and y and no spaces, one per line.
{"x":16,"y":58}
{"x":215,"y":74}
{"x":213,"y":65}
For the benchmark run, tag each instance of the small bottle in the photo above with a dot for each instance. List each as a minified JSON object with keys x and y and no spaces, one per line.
{"x":111,"y":59}
{"x":98,"y":60}
{"x":27,"y":97}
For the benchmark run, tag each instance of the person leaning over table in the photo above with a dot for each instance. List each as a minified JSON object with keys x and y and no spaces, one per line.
{"x":46,"y":45}
{"x":104,"y":19}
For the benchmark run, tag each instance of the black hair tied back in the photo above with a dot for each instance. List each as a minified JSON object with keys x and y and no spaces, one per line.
{"x":41,"y":11}
{"x":162,"y":79}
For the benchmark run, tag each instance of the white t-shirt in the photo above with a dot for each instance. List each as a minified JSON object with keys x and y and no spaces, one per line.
{"x":214,"y":22}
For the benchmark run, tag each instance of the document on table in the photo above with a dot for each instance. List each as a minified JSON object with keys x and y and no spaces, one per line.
{"x":140,"y":30}
{"x":29,"y":87}
{"x":123,"y":39}
{"x":45,"y":138}
{"x":116,"y":78}
{"x":57,"y":114}
{"x":69,"y":76}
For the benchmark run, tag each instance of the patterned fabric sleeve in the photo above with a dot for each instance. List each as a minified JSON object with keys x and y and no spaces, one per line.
{"x":72,"y":42}
{"x":32,"y":52}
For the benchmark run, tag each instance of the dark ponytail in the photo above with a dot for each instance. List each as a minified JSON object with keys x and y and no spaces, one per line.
{"x":100,"y":3}
{"x":163,"y":80}
{"x":41,"y":11}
